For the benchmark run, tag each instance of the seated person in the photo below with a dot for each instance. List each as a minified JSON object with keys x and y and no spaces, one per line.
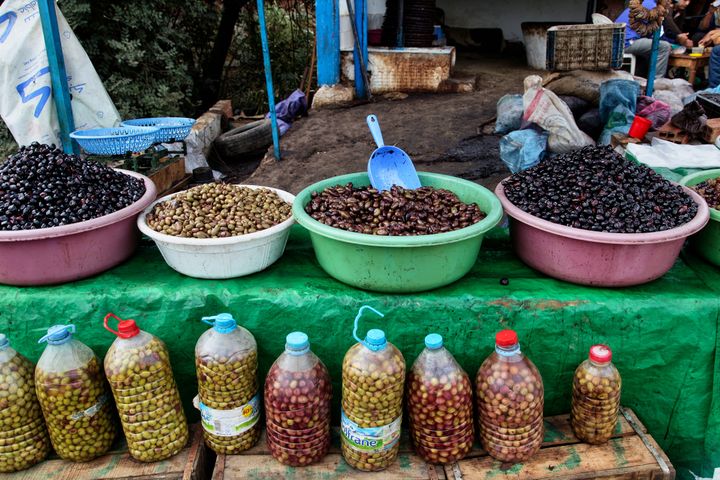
{"x":641,"y":47}
{"x":712,"y":39}
{"x":674,"y":23}
{"x":710,"y":21}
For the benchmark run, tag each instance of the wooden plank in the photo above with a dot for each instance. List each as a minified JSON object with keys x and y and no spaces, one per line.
{"x":250,"y":467}
{"x":168,"y":174}
{"x":624,"y":457}
{"x":189,"y":464}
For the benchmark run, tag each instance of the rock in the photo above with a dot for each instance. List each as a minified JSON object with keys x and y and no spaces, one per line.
{"x":395,"y":96}
{"x":333,"y":95}
{"x":582,"y":84}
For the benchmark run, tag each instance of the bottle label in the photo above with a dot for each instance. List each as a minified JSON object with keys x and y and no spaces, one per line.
{"x":371,"y":439}
{"x":102,"y":400}
{"x":230,"y":423}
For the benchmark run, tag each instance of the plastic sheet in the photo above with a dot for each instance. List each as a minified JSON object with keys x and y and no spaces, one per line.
{"x":663,"y":334}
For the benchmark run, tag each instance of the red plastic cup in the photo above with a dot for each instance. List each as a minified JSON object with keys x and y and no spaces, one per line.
{"x":639,"y":127}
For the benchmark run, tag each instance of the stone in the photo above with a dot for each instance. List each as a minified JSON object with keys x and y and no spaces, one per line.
{"x":333,"y":95}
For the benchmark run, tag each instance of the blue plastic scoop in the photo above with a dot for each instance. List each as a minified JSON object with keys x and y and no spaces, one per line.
{"x":389,"y":166}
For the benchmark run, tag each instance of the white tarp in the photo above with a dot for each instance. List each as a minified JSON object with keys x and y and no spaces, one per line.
{"x":26,"y":103}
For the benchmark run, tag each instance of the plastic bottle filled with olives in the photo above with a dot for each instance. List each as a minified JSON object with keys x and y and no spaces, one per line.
{"x":137,"y":366}
{"x":596,"y":397}
{"x":297,"y":404}
{"x":440,"y":405}
{"x":229,"y":401}
{"x":373,"y":379}
{"x":510,"y":400}
{"x":74,"y":397}
{"x":23,"y":437}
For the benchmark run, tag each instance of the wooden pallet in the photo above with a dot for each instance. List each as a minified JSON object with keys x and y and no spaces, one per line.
{"x":192,"y":463}
{"x":631,"y":454}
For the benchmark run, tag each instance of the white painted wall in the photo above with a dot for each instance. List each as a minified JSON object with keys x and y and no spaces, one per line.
{"x":376,"y":15}
{"x":509,"y":14}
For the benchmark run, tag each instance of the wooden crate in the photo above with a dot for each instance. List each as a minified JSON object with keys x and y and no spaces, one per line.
{"x":192,"y":463}
{"x":631,"y":454}
{"x":169,"y":175}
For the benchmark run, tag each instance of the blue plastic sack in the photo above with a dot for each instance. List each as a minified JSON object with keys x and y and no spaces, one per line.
{"x":509,"y":114}
{"x":618,"y":101}
{"x":522,"y":149}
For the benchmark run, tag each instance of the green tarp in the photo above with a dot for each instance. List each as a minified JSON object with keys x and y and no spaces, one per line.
{"x":664,"y":335}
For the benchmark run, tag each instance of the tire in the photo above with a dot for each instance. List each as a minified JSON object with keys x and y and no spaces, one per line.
{"x":242,"y":140}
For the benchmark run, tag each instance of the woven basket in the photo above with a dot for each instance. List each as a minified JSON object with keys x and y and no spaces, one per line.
{"x":585,"y":47}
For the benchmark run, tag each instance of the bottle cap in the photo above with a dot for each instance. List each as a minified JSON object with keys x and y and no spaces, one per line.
{"x":375,"y":339}
{"x":4,"y":342}
{"x":433,"y":341}
{"x":600,"y":354}
{"x":506,"y":338}
{"x":126,"y":328}
{"x":222,"y":322}
{"x":58,"y":334}
{"x":297,"y":342}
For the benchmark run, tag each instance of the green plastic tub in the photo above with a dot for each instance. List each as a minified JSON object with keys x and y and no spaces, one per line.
{"x":707,"y":241}
{"x":400,"y":264}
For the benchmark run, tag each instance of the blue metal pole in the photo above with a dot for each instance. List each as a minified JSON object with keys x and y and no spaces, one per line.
{"x":268,"y":78}
{"x":58,"y":74}
{"x":361,"y":28}
{"x":653,"y":63}
{"x":327,"y":32}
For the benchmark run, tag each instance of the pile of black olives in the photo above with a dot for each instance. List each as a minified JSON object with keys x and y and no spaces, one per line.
{"x":595,"y":188}
{"x":42,"y":187}
{"x":398,"y":211}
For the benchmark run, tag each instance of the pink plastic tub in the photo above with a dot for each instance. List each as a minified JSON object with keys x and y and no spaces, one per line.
{"x":597,"y":258}
{"x":71,"y":252}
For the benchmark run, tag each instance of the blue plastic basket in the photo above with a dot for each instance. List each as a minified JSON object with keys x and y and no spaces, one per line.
{"x":115,"y":141}
{"x":172,"y":129}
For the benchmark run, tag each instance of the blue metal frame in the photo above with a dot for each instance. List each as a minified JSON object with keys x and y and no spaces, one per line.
{"x":58,"y":74}
{"x":361,"y":27}
{"x":268,"y":78}
{"x":653,"y":64}
{"x":327,"y":32}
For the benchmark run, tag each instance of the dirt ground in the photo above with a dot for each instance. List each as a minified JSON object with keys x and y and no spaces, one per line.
{"x":440,"y":132}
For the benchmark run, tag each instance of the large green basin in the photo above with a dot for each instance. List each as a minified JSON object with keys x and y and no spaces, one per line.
{"x":400,"y":264}
{"x":707,"y":241}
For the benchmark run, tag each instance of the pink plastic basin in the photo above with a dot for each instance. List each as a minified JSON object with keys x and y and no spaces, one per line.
{"x":71,"y":252}
{"x":597,"y":258}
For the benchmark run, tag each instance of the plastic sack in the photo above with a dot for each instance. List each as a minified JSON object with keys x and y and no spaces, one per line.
{"x":440,"y":405}
{"x":298,"y":426}
{"x":544,"y":108}
{"x":590,"y":123}
{"x":654,"y":110}
{"x":74,"y":398}
{"x":138,"y":369}
{"x":289,"y":109}
{"x":509,"y":114}
{"x":373,"y":381}
{"x":26,"y":103}
{"x":618,"y":102}
{"x":522,"y":149}
{"x":226,"y":364}
{"x":24,"y":437}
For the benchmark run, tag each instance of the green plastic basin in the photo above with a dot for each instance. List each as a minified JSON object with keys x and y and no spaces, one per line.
{"x":400,"y":264}
{"x":707,"y":241}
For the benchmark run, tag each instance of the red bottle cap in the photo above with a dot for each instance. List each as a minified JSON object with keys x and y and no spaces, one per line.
{"x":506,"y":338}
{"x":126,"y":328}
{"x":600,"y":354}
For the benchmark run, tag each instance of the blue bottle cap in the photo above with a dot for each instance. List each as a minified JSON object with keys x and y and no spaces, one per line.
{"x":433,"y":341}
{"x":222,"y":322}
{"x":4,"y":342}
{"x":375,"y":339}
{"x":58,"y":334}
{"x":297,"y":343}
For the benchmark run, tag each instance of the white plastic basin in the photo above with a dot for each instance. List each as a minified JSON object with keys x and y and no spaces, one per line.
{"x":217,"y":258}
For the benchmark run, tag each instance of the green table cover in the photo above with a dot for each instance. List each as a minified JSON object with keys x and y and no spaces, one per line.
{"x":664,"y":335}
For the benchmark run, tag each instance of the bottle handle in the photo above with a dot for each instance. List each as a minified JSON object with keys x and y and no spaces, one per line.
{"x":107,"y":327}
{"x":70,"y":328}
{"x":209,"y":320}
{"x":357,"y":319}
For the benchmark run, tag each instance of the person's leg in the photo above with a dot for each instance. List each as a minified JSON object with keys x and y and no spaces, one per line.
{"x":642,"y":48}
{"x":664,"y":49}
{"x":714,"y":68}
